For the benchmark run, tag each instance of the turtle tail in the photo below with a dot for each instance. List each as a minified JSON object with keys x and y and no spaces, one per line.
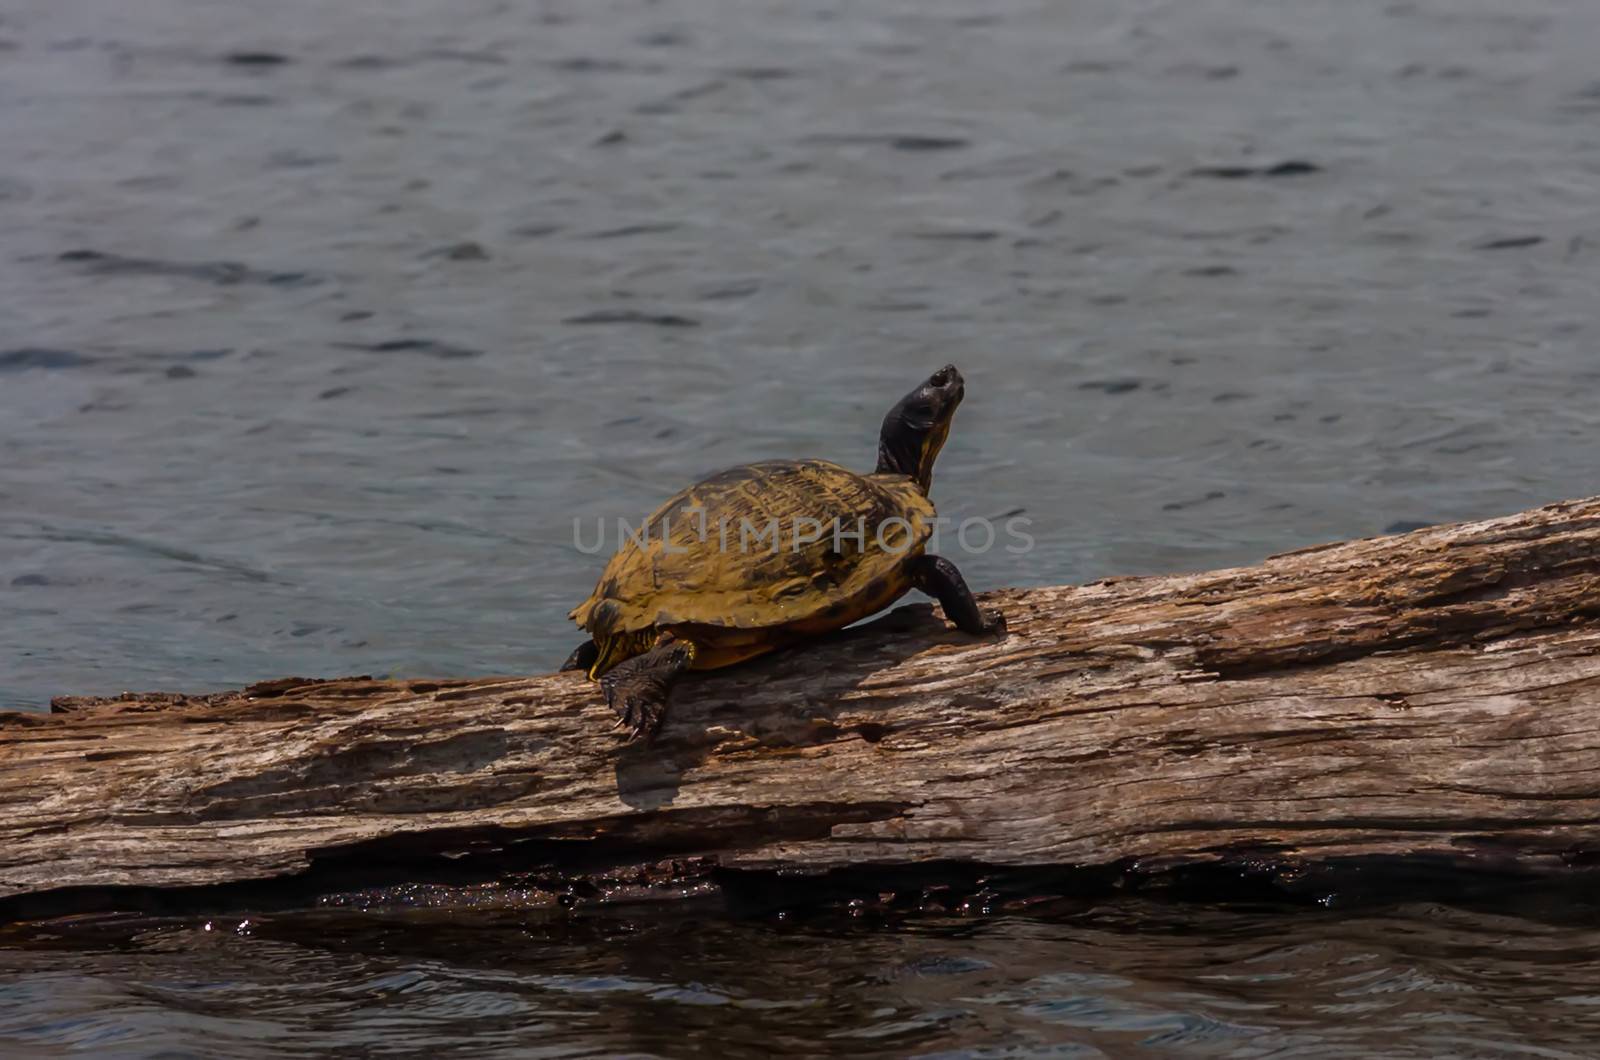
{"x":620,"y":647}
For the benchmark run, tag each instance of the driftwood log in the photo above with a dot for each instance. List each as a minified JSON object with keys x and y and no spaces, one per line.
{"x":1433,"y":696}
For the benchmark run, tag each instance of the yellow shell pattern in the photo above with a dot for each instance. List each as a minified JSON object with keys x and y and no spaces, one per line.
{"x":727,"y":563}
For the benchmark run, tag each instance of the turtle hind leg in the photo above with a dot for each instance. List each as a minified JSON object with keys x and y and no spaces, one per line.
{"x":582,"y":658}
{"x":939,"y":578}
{"x":638,"y":688}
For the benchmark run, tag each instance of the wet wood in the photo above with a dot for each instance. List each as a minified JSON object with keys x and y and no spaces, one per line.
{"x":1433,"y":695}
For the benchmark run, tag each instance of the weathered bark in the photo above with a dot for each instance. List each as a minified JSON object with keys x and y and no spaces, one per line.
{"x":1434,"y":695}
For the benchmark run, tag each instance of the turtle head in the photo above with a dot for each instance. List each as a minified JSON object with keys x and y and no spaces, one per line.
{"x":915,"y":429}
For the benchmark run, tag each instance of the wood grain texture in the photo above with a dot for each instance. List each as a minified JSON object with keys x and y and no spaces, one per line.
{"x":1434,"y":694}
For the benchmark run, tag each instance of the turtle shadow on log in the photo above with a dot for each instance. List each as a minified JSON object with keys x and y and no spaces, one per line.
{"x":706,"y":717}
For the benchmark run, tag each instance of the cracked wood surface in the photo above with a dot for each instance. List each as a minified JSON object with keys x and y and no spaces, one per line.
{"x":1436,"y":693}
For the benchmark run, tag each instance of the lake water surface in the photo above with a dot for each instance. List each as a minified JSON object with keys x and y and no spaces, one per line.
{"x":321,"y":323}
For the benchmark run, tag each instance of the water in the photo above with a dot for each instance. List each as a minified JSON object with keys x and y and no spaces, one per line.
{"x":306,"y":366}
{"x":1121,"y":980}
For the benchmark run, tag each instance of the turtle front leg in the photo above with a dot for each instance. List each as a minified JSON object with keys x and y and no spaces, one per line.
{"x":638,"y":688}
{"x":582,"y":658}
{"x":939,"y":578}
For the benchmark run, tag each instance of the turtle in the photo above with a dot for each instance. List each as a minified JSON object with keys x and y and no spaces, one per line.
{"x":764,"y":555}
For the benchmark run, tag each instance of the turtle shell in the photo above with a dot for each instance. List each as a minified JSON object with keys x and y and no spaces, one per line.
{"x":709,"y":556}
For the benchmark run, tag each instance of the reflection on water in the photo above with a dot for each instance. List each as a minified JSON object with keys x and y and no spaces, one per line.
{"x":1190,"y":980}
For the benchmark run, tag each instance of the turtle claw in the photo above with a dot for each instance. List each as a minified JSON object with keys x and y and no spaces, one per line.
{"x":940,"y":579}
{"x":637,"y":689}
{"x":640,"y":714}
{"x":643,"y":730}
